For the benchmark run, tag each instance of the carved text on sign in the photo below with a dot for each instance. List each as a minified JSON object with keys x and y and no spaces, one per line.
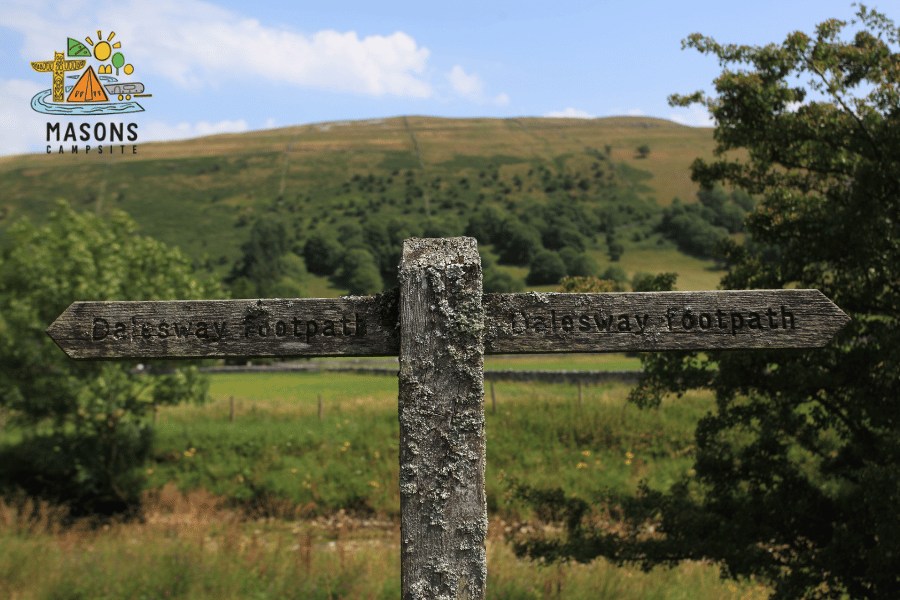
{"x":305,"y":329}
{"x":513,"y":323}
{"x":355,"y":325}
{"x":650,"y":321}
{"x":638,"y":324}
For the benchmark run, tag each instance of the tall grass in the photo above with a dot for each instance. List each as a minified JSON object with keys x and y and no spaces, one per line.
{"x":188,"y":548}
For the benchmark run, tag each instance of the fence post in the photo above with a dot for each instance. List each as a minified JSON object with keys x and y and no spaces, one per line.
{"x":232,"y":410}
{"x":320,"y":407}
{"x":441,"y":406}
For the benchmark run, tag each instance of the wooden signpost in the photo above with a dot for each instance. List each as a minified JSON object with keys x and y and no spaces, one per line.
{"x":440,"y":324}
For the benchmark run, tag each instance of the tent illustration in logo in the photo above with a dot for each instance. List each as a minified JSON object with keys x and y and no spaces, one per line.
{"x":88,"y":89}
{"x":90,"y":95}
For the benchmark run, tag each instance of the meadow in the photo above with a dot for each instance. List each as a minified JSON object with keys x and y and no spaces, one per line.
{"x":278,"y":451}
{"x":283,"y":504}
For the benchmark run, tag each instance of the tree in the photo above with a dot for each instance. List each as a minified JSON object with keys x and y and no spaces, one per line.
{"x":359,"y":273}
{"x":725,"y":210}
{"x":614,"y":248}
{"x":690,"y":227}
{"x":579,"y":264}
{"x":546,"y":267}
{"x":643,"y":150}
{"x":267,"y":243}
{"x":614,"y":273}
{"x":497,"y":281}
{"x":322,"y":253}
{"x":797,"y":472}
{"x":118,"y":60}
{"x":85,"y":438}
{"x":517,"y":243}
{"x":266,"y":268}
{"x":484,"y":225}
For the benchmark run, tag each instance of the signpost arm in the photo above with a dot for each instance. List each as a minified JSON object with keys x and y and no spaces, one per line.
{"x":441,"y":407}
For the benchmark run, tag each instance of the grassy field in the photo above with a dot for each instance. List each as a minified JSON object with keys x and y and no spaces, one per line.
{"x":279,"y":456}
{"x":281,"y":504}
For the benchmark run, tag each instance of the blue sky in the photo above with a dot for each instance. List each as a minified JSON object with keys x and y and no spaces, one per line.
{"x":230,"y":66}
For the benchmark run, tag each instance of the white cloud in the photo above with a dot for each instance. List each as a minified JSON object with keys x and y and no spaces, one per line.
{"x":21,"y":129}
{"x":468,"y":86}
{"x":697,"y":116}
{"x":636,"y":112}
{"x":501,"y":100}
{"x":570,"y":113}
{"x":196,"y":44}
{"x":158,"y":131}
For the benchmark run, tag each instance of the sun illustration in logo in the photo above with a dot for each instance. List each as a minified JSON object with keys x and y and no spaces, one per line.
{"x":91,"y":93}
{"x":102,"y":51}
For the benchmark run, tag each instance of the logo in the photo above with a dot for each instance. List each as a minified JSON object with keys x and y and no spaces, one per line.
{"x":94,"y":92}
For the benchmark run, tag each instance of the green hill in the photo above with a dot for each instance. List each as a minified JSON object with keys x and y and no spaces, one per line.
{"x":365,"y":183}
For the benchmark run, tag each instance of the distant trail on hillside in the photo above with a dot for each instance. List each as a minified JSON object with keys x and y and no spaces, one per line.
{"x":287,"y":152}
{"x":421,"y":163}
{"x":415,"y":143}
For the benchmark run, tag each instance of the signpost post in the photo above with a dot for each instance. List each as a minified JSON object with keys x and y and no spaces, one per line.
{"x":440,"y":324}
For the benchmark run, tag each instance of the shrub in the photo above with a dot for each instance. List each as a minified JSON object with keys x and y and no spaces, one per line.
{"x":546,"y":267}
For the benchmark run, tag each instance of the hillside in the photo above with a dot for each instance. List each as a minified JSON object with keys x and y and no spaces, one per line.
{"x":410,"y":175}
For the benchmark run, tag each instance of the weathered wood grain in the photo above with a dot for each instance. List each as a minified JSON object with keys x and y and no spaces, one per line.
{"x":650,"y":321}
{"x":442,"y":444}
{"x":514,"y":323}
{"x":353,"y":326}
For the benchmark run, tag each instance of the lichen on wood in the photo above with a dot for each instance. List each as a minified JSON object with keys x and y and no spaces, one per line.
{"x":441,"y":409}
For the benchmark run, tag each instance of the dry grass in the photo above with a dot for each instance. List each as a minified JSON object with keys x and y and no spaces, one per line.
{"x":187,"y":546}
